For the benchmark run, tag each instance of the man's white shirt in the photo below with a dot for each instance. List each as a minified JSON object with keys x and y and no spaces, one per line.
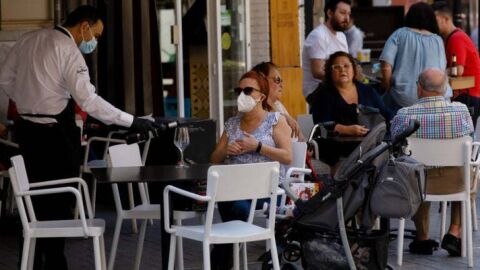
{"x":320,"y":44}
{"x":45,"y":68}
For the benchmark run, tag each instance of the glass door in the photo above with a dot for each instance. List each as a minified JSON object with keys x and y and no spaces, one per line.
{"x":229,"y":44}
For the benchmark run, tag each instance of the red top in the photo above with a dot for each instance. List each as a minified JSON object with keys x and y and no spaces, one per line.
{"x":460,"y":44}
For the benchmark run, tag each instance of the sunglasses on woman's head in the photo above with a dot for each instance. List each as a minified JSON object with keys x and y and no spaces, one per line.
{"x":247,"y":90}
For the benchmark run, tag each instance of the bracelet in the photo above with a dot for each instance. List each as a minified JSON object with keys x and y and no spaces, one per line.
{"x":259,"y":147}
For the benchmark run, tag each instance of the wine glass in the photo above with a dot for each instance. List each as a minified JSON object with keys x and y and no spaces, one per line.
{"x":181,"y":141}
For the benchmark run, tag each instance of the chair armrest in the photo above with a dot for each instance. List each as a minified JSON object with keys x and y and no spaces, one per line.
{"x":57,"y":190}
{"x":78,"y":180}
{"x":166,"y":203}
{"x":9,"y":143}
{"x":294,"y":170}
{"x":316,"y":154}
{"x":58,"y":182}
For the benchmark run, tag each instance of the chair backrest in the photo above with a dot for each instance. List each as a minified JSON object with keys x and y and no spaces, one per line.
{"x":306,"y":124}
{"x":476,"y":134}
{"x":21,"y":184}
{"x":125,"y":155}
{"x":243,"y":181}
{"x":19,"y":181}
{"x":299,"y":154}
{"x":441,"y":152}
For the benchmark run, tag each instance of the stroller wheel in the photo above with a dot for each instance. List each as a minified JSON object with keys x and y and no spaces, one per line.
{"x":292,"y":252}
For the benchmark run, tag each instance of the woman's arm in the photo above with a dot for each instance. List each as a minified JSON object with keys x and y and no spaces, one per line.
{"x":282,"y":152}
{"x":223,"y":149}
{"x":220,"y":152}
{"x":386,"y":75}
{"x":351,"y":130}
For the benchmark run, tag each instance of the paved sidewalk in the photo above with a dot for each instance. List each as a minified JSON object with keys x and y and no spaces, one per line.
{"x":80,"y":251}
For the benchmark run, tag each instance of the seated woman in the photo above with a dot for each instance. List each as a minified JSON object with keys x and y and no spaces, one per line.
{"x":254,"y":135}
{"x":275,"y":84}
{"x":338,"y":102}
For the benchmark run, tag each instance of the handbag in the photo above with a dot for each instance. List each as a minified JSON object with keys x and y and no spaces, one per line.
{"x":369,"y":116}
{"x":399,"y":191}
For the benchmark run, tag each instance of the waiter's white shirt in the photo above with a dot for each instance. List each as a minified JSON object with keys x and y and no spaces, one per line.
{"x":45,"y":68}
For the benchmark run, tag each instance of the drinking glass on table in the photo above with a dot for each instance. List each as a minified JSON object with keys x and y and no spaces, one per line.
{"x":181,"y":141}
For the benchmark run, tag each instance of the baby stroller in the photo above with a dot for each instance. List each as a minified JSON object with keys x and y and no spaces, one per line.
{"x":319,"y":235}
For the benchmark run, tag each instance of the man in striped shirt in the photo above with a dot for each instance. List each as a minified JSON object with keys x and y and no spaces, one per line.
{"x":439,"y":119}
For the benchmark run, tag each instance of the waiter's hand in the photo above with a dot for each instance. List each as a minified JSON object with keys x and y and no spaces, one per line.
{"x":144,"y":126}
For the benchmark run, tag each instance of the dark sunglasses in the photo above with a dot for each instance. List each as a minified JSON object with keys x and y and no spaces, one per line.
{"x":247,"y":90}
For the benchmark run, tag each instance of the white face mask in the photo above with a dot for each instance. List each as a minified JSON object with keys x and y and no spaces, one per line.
{"x":245,"y":103}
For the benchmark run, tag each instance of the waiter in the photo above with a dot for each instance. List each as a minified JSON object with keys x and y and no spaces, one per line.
{"x":44,"y":74}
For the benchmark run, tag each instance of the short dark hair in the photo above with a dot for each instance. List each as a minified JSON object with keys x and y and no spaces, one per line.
{"x":442,"y":7}
{"x":421,"y":16}
{"x":81,"y":14}
{"x":332,"y":5}
{"x":329,"y":64}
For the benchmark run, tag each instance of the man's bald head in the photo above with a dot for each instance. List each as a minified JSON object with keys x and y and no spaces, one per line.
{"x":433,"y":81}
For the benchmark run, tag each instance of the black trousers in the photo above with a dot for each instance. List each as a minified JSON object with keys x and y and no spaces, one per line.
{"x":50,"y":152}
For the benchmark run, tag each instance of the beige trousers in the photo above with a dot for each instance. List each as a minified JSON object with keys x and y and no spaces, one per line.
{"x":440,"y":181}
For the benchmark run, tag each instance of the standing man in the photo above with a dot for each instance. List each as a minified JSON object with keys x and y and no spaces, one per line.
{"x":459,"y":43}
{"x":324,"y":40}
{"x":44,"y":74}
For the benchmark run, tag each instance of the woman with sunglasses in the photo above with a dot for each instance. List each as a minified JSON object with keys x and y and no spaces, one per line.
{"x":338,"y":102}
{"x":254,"y":135}
{"x":275,"y":83}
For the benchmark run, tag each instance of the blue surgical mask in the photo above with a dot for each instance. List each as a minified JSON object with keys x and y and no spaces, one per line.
{"x":87,"y":47}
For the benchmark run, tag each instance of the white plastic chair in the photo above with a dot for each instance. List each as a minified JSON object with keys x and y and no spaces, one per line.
{"x":97,"y":163}
{"x":306,"y":123}
{"x":229,"y":183}
{"x":474,"y":187}
{"x":308,"y":129}
{"x":4,"y":174}
{"x":445,"y":152}
{"x":33,"y":229}
{"x":123,"y":155}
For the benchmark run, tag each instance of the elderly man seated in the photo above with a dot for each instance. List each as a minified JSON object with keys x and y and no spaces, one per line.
{"x":439,"y":119}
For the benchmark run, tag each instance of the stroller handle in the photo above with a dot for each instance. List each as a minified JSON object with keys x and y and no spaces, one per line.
{"x":413,"y":125}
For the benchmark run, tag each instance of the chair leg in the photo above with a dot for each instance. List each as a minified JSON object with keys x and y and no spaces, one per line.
{"x":97,"y":253}
{"x":102,"y":252}
{"x":116,"y":236}
{"x":141,"y":239}
{"x":94,"y":195}
{"x":474,"y":214}
{"x":206,"y":256}
{"x":171,"y":253}
{"x":236,"y":258}
{"x":31,"y":253}
{"x":245,"y":260}
{"x":443,"y":220}
{"x":131,"y":202}
{"x":179,"y":261}
{"x":267,"y":242}
{"x":400,"y":238}
{"x":464,"y":229}
{"x":469,"y":244}
{"x":274,"y":252}
{"x":26,"y":253}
